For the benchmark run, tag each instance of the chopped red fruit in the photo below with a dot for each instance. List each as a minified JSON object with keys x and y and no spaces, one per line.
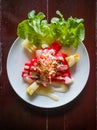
{"x":49,"y":65}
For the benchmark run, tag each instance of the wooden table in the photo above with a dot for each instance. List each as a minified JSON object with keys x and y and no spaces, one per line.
{"x":80,"y":114}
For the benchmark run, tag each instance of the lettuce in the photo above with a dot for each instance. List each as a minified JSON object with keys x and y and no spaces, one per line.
{"x":38,"y":31}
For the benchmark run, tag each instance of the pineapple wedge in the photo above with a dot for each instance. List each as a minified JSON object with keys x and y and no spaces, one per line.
{"x":32,"y":88}
{"x":72,"y":59}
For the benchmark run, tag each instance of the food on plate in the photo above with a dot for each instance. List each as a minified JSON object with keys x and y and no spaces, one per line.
{"x":48,"y":71}
{"x":49,"y":65}
{"x":38,"y":31}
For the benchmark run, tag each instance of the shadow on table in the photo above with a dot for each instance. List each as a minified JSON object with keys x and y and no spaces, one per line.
{"x":53,"y":111}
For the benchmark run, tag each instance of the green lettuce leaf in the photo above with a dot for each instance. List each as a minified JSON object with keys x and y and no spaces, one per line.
{"x":38,"y":31}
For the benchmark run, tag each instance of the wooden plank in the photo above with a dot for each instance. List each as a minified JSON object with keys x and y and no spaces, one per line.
{"x":15,"y":113}
{"x":56,"y":119}
{"x":81,"y":113}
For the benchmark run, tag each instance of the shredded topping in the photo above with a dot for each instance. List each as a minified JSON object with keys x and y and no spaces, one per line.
{"x":47,"y":66}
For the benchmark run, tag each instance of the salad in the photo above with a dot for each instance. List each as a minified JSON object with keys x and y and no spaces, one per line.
{"x":48,"y":71}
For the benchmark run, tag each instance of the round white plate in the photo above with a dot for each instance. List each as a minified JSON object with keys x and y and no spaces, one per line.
{"x":15,"y":63}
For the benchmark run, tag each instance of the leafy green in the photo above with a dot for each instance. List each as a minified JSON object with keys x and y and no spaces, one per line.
{"x":38,"y":31}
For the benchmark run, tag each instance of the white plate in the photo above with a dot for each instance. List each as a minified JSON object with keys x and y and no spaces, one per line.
{"x":15,"y":61}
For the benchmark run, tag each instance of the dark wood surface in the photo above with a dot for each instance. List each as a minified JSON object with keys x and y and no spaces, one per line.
{"x":15,"y":114}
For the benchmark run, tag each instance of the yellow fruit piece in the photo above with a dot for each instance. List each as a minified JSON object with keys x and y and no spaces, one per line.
{"x":72,"y":59}
{"x":32,"y":88}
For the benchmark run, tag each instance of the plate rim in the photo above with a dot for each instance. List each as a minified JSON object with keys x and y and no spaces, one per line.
{"x":8,"y":56}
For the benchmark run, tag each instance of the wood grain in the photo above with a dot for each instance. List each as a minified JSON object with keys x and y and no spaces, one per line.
{"x":80,"y":114}
{"x":15,"y":113}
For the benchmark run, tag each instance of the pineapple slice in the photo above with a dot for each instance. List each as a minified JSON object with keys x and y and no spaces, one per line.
{"x":72,"y":59}
{"x":32,"y":88}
